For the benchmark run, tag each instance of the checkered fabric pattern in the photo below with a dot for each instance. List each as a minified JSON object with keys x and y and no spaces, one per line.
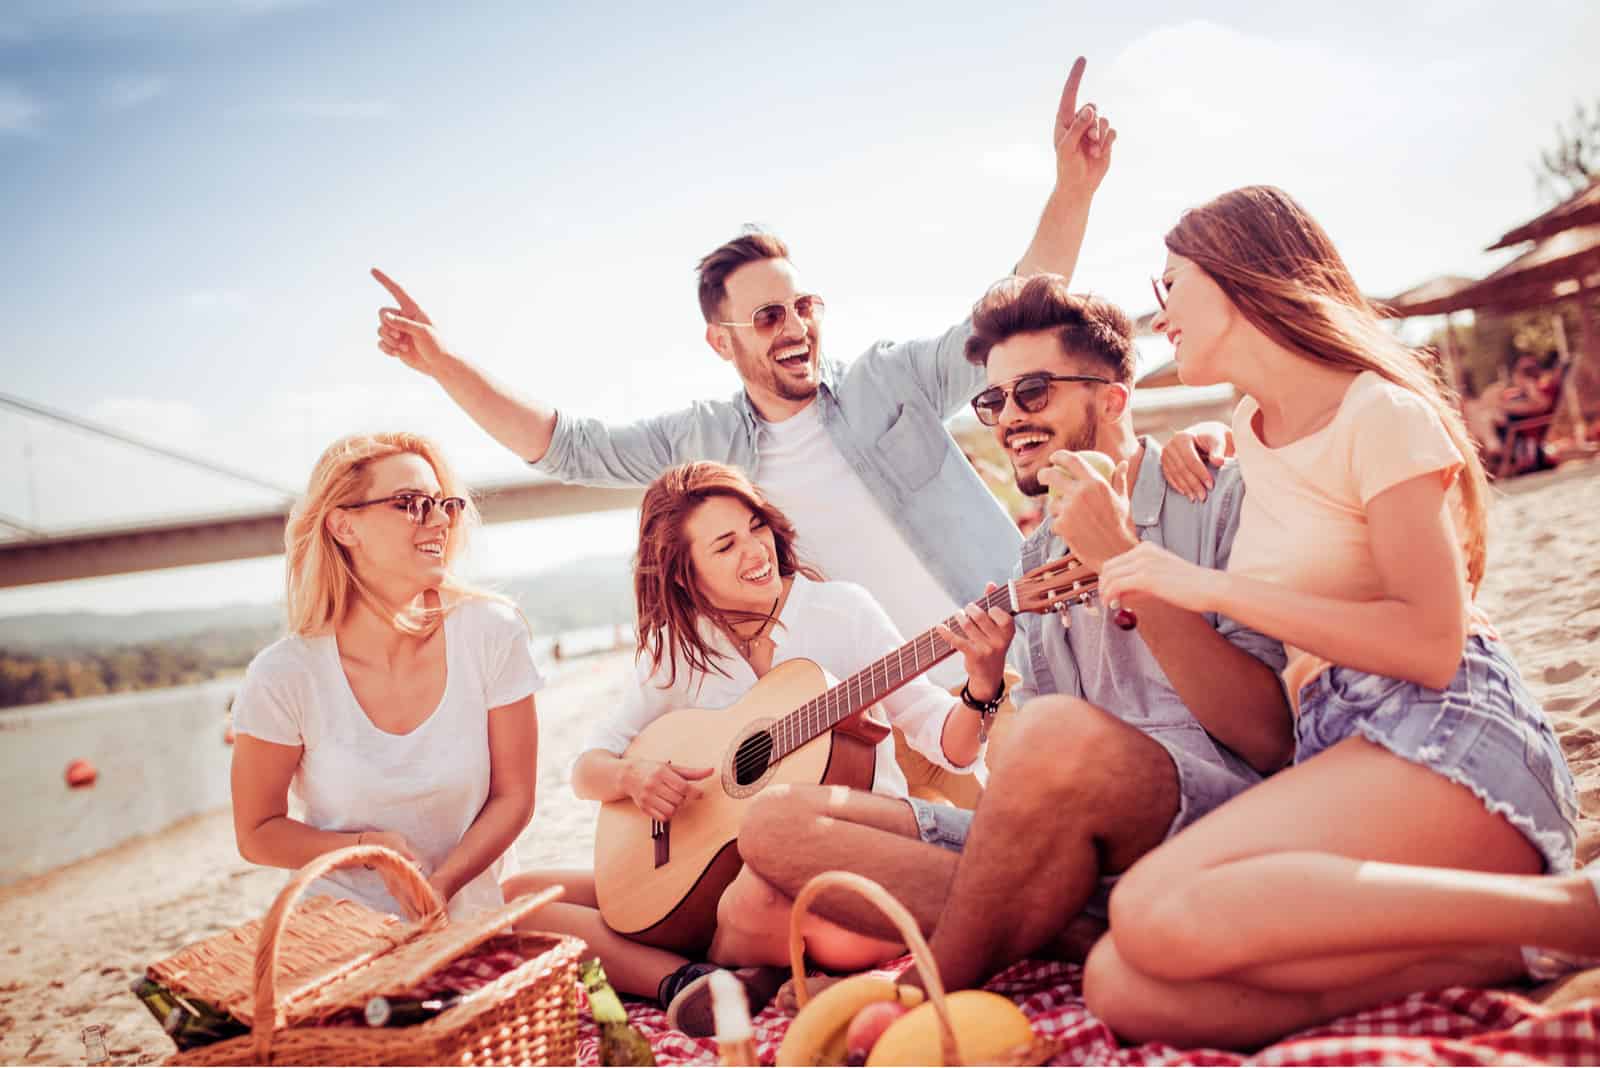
{"x":1454,"y":1026}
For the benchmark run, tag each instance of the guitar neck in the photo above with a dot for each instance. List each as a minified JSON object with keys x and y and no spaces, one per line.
{"x":876,"y":681}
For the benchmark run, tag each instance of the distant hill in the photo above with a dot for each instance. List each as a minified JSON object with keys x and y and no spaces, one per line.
{"x":62,"y":633}
{"x":591,"y":592}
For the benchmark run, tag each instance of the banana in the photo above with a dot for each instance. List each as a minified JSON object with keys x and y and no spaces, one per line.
{"x":987,"y":1027}
{"x":817,"y":1035}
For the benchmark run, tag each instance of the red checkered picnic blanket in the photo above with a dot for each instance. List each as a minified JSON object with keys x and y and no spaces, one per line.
{"x":1453,"y":1026}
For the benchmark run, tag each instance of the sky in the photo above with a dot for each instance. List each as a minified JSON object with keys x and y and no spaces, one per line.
{"x":192,"y":192}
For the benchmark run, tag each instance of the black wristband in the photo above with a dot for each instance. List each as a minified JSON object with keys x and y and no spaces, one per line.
{"x":982,"y":708}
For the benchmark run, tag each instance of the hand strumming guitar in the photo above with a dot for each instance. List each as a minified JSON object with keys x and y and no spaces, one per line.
{"x":660,"y":789}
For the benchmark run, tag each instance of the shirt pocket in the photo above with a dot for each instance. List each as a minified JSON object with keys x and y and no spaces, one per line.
{"x":912,"y":449}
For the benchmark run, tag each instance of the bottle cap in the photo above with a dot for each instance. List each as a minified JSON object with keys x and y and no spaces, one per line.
{"x":377,"y":1011}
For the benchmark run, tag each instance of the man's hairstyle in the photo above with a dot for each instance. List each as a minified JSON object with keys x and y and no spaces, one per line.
{"x":1087,"y":327}
{"x":720,"y":262}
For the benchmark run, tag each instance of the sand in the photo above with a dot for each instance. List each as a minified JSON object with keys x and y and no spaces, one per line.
{"x":71,"y":941}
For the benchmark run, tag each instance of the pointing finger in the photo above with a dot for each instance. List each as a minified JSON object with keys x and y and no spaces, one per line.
{"x":1068,"y":108}
{"x":408,"y":306}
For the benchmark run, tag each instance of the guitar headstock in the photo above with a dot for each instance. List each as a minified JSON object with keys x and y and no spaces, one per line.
{"x":1055,"y":586}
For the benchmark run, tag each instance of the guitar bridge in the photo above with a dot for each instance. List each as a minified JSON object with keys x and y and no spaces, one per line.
{"x":661,"y":835}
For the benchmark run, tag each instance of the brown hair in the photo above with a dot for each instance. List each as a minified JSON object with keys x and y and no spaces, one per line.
{"x":1086,"y":326}
{"x":1281,"y":271}
{"x":715,"y":266}
{"x":668,"y":599}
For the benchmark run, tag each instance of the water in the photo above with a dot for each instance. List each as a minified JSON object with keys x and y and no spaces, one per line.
{"x":161,"y":758}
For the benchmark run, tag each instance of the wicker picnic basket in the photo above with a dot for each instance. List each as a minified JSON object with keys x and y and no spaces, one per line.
{"x":1038,"y":1052}
{"x":298,"y":966}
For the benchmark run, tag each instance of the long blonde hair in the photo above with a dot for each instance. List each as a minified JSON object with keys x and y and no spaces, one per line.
{"x":1282,"y":272}
{"x":322,"y":579}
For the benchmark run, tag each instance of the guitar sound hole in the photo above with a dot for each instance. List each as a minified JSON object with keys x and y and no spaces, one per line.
{"x":750,"y":762}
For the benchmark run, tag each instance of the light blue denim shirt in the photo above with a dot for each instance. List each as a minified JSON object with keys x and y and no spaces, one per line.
{"x":1113,"y":669}
{"x":885,"y":412}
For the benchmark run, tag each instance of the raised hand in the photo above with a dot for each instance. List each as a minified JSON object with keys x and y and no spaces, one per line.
{"x":405,"y":332}
{"x":1082,"y":138}
{"x":1087,"y":512}
{"x":661,"y":789}
{"x":982,"y":642}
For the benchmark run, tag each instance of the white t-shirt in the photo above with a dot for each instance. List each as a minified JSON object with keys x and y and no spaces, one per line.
{"x":429,"y":784}
{"x":838,"y":626}
{"x":843,"y":531}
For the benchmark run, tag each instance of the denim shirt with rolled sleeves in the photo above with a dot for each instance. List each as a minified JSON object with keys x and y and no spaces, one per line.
{"x":1201,"y":533}
{"x":885,"y":412}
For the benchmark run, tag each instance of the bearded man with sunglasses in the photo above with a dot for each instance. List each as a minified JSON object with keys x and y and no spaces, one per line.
{"x":1124,"y":737}
{"x":856,"y":454}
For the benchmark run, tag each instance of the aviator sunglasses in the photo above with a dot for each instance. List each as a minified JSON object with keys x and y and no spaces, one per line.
{"x":1030,"y":391}
{"x":419,"y":506}
{"x":769,"y":318}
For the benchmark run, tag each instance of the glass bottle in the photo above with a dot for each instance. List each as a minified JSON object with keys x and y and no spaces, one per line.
{"x":403,"y":1012}
{"x":620,"y":1042}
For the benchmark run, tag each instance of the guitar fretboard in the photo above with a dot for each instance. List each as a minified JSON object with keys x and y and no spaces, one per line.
{"x":873,"y":683}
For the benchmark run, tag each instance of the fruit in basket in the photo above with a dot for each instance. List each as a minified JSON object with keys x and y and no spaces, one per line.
{"x":820,"y":1033}
{"x":868,"y":1026}
{"x":988,"y":1028}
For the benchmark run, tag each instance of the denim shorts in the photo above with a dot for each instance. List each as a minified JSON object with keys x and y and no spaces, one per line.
{"x":1484,"y":731}
{"x":1202,"y":785}
{"x":941,"y":825}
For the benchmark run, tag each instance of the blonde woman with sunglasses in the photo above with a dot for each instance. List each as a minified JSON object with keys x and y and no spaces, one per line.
{"x":399,"y":709}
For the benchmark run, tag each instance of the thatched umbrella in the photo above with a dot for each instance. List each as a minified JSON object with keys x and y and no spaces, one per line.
{"x":1562,"y":265}
{"x":1577,"y":211}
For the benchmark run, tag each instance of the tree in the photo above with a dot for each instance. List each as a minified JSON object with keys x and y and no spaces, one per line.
{"x":1567,"y":168}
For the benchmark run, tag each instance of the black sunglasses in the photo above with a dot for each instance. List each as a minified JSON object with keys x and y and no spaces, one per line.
{"x":1031,"y":392}
{"x":419,"y":506}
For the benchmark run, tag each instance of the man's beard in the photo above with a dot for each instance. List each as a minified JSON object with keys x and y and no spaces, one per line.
{"x":762,"y":368}
{"x":1084,"y":439}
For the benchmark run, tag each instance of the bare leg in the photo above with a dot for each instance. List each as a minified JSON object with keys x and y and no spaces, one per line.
{"x":1076,"y":794}
{"x":753,"y":928}
{"x":792,"y":833}
{"x":632,"y":967}
{"x":1339,"y":858}
{"x":1232,"y":1015}
{"x":577,"y":885}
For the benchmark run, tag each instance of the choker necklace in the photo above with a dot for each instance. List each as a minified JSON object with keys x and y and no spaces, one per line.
{"x":746,"y":644}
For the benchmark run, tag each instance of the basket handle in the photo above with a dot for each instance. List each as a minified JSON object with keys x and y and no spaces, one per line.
{"x":897,"y":914}
{"x":403,"y":881}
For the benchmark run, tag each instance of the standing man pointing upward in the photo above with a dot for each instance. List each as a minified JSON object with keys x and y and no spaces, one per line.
{"x":856,"y":454}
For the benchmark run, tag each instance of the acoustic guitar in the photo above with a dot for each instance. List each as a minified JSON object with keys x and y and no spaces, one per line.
{"x":659,"y":883}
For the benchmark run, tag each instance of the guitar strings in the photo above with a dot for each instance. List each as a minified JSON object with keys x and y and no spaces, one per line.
{"x":804,"y":723}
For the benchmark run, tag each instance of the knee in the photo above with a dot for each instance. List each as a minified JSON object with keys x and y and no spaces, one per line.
{"x":751,"y":905}
{"x":775,"y":821}
{"x":1157,"y":931}
{"x":1056,"y":747}
{"x":1121,"y":998}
